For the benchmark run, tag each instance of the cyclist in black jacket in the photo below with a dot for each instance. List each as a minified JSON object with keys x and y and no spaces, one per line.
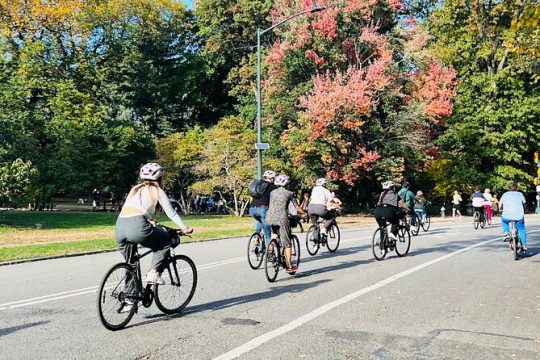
{"x":259,"y":206}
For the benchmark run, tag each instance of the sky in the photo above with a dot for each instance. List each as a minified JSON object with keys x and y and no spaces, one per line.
{"x":189,"y":3}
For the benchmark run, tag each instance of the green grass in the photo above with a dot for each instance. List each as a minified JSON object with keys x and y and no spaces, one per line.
{"x":72,"y":224}
{"x":65,"y":248}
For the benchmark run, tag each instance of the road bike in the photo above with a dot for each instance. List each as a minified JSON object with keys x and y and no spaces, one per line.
{"x":315,"y":239}
{"x":275,"y":255}
{"x":479,"y":218}
{"x":382,"y":244}
{"x":514,"y":242}
{"x":256,"y":250}
{"x":121,"y":290}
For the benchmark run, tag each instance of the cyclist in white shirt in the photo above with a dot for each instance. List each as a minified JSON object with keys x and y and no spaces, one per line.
{"x":320,"y":197}
{"x":487,"y":203}
{"x":512,"y":204}
{"x":135,"y":223}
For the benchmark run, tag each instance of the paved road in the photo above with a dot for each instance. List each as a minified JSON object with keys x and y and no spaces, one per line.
{"x":458,"y":295}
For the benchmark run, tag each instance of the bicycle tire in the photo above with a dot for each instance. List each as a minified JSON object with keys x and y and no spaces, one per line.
{"x":403,"y":242}
{"x":476,"y":220}
{"x":254,"y":254}
{"x":295,"y":251}
{"x":415,"y":225}
{"x":271,"y":261}
{"x":333,"y":238}
{"x":483,"y":222}
{"x":378,"y":245}
{"x":180,"y":277}
{"x":515,"y":246}
{"x":312,"y":243}
{"x":111,"y":298}
{"x":427,"y":223}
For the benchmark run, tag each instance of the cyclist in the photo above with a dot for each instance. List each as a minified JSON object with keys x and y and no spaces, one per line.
{"x":259,"y":206}
{"x":320,"y":198}
{"x":420,"y":206}
{"x":136,"y":225}
{"x":487,"y":203}
{"x":512,"y":204}
{"x":277,"y":215}
{"x":408,"y":198}
{"x":478,"y":202}
{"x":388,"y":207}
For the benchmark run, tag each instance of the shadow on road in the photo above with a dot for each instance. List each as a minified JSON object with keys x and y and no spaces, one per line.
{"x":13,"y":329}
{"x":234,"y":301}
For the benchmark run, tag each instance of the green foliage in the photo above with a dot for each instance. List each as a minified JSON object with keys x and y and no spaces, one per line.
{"x":16,"y":182}
{"x":493,"y":131}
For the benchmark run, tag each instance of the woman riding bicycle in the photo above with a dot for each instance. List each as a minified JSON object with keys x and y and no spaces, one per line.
{"x":387,"y":209}
{"x":321,"y":197}
{"x":135,"y":223}
{"x":277,"y":215}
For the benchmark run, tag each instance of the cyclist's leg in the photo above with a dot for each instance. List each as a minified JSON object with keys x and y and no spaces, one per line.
{"x":255,"y":213}
{"x":394,"y":218}
{"x":487,"y":209}
{"x":505,"y":226}
{"x":160,"y":243}
{"x":266,"y":227}
{"x":284,"y":234}
{"x":124,"y":232}
{"x":522,"y":232}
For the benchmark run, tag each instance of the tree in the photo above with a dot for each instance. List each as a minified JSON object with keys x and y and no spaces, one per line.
{"x":493,"y":132}
{"x":180,"y":154}
{"x":353,"y":93}
{"x":16,"y":183}
{"x":228,"y":162}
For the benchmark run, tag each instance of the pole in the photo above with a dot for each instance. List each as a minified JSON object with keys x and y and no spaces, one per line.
{"x":259,"y":105}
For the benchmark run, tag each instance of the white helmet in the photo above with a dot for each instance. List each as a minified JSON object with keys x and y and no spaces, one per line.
{"x":320,"y":182}
{"x":269,"y":174}
{"x":388,"y":184}
{"x":151,"y":171}
{"x":281,"y":180}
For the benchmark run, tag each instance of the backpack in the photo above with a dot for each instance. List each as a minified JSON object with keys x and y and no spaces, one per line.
{"x":257,"y":188}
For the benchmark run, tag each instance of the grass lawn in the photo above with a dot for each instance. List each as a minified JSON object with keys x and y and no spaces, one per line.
{"x":76,"y":232}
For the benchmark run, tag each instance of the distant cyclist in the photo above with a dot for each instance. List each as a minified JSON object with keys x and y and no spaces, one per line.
{"x":388,"y":208}
{"x":261,"y":200}
{"x":136,"y":225}
{"x":320,"y":198}
{"x":407,"y":195}
{"x":487,"y":203}
{"x":420,"y":206}
{"x":278,"y":215}
{"x":512,"y":204}
{"x":478,"y":200}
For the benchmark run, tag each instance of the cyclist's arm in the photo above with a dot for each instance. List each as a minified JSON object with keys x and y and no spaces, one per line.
{"x":298,"y":207}
{"x":403,"y":205}
{"x":169,"y":210}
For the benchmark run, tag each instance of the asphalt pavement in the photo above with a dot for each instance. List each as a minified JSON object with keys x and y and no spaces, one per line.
{"x":457,"y":295}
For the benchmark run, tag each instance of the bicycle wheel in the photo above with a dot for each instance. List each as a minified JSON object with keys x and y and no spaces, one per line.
{"x":333,"y":238}
{"x":515,"y":247}
{"x":271,"y":261}
{"x":482,"y":222}
{"x":255,"y":251}
{"x":403,"y":244}
{"x":415,"y":225}
{"x":312,"y":240}
{"x":113,"y":304}
{"x":426,"y":224}
{"x":378,"y":244}
{"x":295,"y":251}
{"x":476,"y":220}
{"x":180,"y":277}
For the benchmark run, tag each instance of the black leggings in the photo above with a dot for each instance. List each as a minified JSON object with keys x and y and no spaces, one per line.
{"x":391,"y":214}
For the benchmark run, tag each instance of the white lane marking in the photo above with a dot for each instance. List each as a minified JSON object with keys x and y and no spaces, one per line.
{"x":259,"y":340}
{"x":93,"y":289}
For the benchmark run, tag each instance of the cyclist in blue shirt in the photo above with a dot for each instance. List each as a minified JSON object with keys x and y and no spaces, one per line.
{"x":512,"y":204}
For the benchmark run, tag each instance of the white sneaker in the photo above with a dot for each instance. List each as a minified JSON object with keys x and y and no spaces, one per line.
{"x":153,"y":277}
{"x":126,"y":307}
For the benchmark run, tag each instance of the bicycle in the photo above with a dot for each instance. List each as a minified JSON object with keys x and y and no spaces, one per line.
{"x":314,"y":238}
{"x":417,"y":223}
{"x":121,"y":289}
{"x":381,"y":242}
{"x":514,"y":242}
{"x":479,"y":218}
{"x":275,"y":255}
{"x":256,"y":250}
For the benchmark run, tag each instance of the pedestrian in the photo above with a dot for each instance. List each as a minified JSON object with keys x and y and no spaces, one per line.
{"x":456,"y":205}
{"x":495,"y":205}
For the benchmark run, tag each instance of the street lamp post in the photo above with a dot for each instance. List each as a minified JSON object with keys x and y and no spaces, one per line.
{"x":259,"y":100}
